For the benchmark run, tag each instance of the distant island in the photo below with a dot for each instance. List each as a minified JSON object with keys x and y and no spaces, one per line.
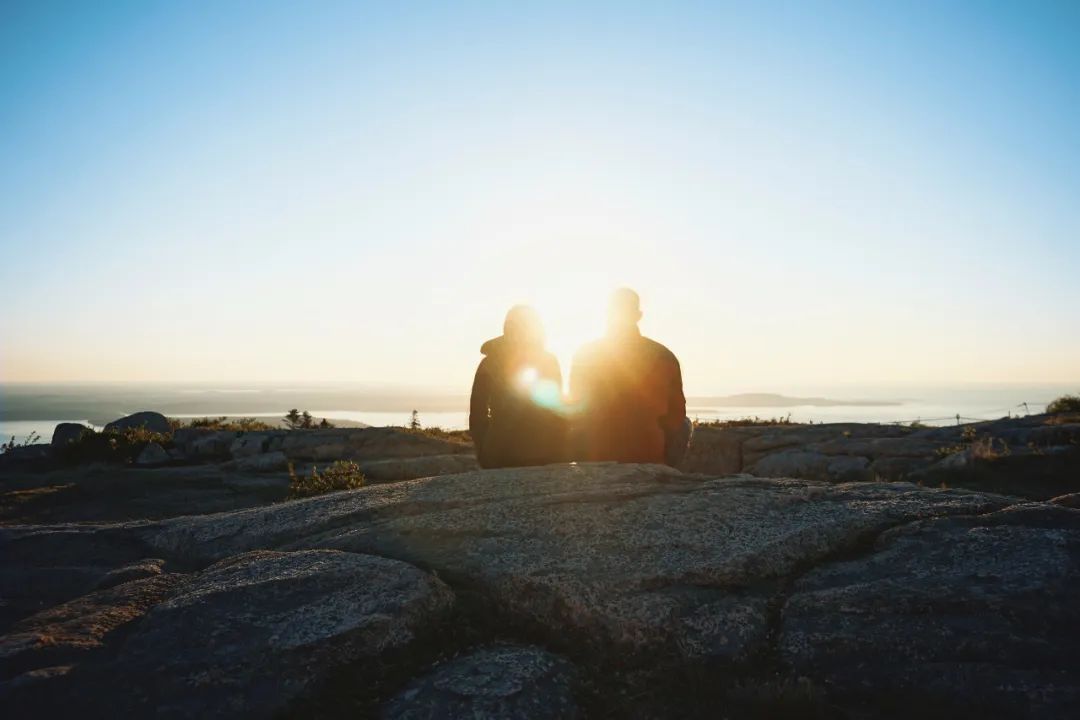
{"x":775,"y":400}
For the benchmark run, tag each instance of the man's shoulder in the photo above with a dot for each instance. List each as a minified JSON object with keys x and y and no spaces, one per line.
{"x":658,"y":349}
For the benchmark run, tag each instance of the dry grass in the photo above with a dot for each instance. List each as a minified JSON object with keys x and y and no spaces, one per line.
{"x":342,"y":475}
{"x":745,"y":422}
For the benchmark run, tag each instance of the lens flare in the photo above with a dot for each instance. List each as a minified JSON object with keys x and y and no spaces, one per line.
{"x":528,"y":377}
{"x":547,"y":394}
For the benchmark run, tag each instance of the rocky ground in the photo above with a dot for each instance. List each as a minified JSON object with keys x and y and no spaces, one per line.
{"x":1036,"y":456}
{"x":593,"y":590}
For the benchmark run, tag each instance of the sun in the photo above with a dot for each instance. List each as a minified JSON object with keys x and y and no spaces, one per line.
{"x":573,"y":313}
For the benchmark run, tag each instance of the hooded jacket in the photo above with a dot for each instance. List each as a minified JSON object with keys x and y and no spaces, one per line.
{"x":514,"y":413}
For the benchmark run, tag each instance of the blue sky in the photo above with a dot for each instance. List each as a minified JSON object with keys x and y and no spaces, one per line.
{"x":803,"y":193}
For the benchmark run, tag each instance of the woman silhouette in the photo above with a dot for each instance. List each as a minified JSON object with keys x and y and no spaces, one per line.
{"x":515,"y":413}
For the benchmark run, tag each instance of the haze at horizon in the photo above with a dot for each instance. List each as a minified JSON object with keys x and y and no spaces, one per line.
{"x":803,"y":197}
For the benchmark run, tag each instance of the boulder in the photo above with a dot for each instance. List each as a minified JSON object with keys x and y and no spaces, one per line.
{"x":59,"y":635}
{"x":148,"y":567}
{"x":876,"y":447}
{"x":408,"y":468}
{"x":793,"y":463}
{"x":41,"y":567}
{"x":67,"y":433}
{"x":210,"y":445}
{"x":716,"y":450}
{"x":365,"y":444}
{"x":967,"y":615}
{"x":250,"y":443}
{"x":640,"y":558}
{"x":813,"y":465}
{"x":152,"y":455}
{"x":250,"y":635}
{"x":491,"y":683}
{"x":266,"y":462}
{"x":849,"y":468}
{"x":895,"y":469}
{"x":1071,"y":500}
{"x":147,"y":419}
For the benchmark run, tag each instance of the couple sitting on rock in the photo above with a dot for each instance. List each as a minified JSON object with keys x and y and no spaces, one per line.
{"x":625,"y":404}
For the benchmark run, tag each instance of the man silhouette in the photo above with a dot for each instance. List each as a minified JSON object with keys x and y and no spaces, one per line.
{"x":629,"y":394}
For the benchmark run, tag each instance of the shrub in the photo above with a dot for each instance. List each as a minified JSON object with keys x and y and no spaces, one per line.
{"x":986,"y":448}
{"x":119,"y":446}
{"x":457,"y":436}
{"x":224,"y":423}
{"x":342,"y":475}
{"x":1064,"y":404}
{"x":746,"y":422}
{"x":11,"y":444}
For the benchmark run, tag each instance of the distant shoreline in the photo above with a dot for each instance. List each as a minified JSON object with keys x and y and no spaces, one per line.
{"x":105,"y":403}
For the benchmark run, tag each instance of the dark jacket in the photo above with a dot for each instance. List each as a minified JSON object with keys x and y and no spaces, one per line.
{"x":514,"y":415}
{"x":629,"y":394}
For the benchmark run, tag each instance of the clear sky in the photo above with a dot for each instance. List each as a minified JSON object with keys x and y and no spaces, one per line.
{"x":803,"y":193}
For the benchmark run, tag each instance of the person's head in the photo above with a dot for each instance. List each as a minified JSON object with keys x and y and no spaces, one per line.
{"x":523,"y":326}
{"x":624,"y":310}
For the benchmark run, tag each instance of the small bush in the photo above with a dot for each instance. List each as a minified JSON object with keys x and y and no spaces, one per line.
{"x":987,"y":448}
{"x":113,"y":446}
{"x":11,"y":444}
{"x":1064,"y":404}
{"x":458,"y":436}
{"x":746,"y":422}
{"x":342,"y":475}
{"x":944,"y":452}
{"x":236,"y":424}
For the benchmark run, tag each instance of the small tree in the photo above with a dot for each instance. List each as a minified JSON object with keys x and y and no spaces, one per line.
{"x":293,"y":419}
{"x":306,"y":420}
{"x":1064,"y":404}
{"x":414,"y":421}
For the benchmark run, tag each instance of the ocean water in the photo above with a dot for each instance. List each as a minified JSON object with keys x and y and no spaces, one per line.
{"x":21,"y":430}
{"x":929,"y":405}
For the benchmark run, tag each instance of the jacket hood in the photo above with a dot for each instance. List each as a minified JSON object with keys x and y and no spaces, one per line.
{"x":493,"y":346}
{"x":501,"y":345}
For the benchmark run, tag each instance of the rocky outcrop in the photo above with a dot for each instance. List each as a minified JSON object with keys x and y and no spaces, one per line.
{"x":1035,"y":456}
{"x":260,"y":629}
{"x":59,"y":635}
{"x":502,"y":682}
{"x":41,"y":567}
{"x":362,"y":444}
{"x":393,"y":446}
{"x":153,"y":455}
{"x":395,"y":469}
{"x":973,"y":612}
{"x":247,"y":636}
{"x":265,"y":462}
{"x":146,"y":419}
{"x":664,"y":593}
{"x":66,"y":433}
